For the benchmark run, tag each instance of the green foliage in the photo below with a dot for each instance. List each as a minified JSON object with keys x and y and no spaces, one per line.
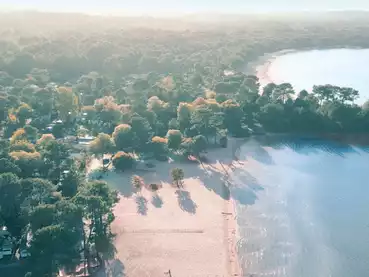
{"x":184,"y":115}
{"x":42,"y":102}
{"x":269,"y":115}
{"x":10,"y":203}
{"x":268,"y":90}
{"x":54,"y":247}
{"x":23,"y":146}
{"x":201,"y":119}
{"x":18,"y":135}
{"x":282,"y":92}
{"x":198,"y":145}
{"x":123,"y":161}
{"x":142,"y":131}
{"x":97,"y":201}
{"x":159,"y":147}
{"x":137,"y":182}
{"x":69,"y":181}
{"x":45,"y":139}
{"x":303,"y":94}
{"x":58,"y":131}
{"x":146,"y":89}
{"x":103,"y":144}
{"x":31,"y":132}
{"x":108,"y":110}
{"x":23,"y":112}
{"x":123,"y":137}
{"x":36,"y":191}
{"x":174,"y":139}
{"x":177,"y":176}
{"x":223,"y":141}
{"x":233,"y":117}
{"x":28,"y":163}
{"x":7,"y":165}
{"x":66,"y":102}
{"x":42,"y":216}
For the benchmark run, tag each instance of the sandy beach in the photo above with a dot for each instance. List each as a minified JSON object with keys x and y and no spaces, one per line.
{"x":261,"y":66}
{"x":190,"y":231}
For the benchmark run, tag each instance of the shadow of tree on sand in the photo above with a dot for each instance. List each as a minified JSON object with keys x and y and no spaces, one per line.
{"x":157,"y":201}
{"x":126,"y":190}
{"x":261,"y":155}
{"x":249,"y":180}
{"x":113,"y":268}
{"x":244,"y":187}
{"x":245,"y":195}
{"x":212,"y":183}
{"x":121,"y":182}
{"x":141,"y":205}
{"x":185,"y":202}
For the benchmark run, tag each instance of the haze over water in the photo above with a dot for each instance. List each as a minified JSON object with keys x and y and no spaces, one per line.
{"x":183,"y":6}
{"x":305,"y":208}
{"x":341,"y":67}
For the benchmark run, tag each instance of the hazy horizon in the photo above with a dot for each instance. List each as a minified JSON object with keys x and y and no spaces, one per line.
{"x":167,"y":7}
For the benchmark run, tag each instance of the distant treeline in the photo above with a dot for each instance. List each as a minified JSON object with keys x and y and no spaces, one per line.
{"x":143,"y":92}
{"x":69,"y":45}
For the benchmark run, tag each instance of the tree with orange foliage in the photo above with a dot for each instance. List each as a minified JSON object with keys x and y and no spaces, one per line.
{"x":23,"y":112}
{"x":123,"y":161}
{"x":28,"y":163}
{"x":45,"y":139}
{"x":22,"y":145}
{"x":103,"y":144}
{"x":159,"y":146}
{"x":18,"y":135}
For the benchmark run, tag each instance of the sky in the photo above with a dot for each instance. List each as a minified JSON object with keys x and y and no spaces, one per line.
{"x":181,"y":6}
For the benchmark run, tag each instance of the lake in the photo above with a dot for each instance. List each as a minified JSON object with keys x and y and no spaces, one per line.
{"x":341,"y":67}
{"x":303,"y":208}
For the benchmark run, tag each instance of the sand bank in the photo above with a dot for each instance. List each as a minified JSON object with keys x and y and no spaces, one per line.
{"x":190,"y":231}
{"x":261,"y":66}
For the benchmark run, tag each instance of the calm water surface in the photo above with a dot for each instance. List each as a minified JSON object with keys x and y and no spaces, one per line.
{"x":303,"y":208}
{"x":342,"y":67}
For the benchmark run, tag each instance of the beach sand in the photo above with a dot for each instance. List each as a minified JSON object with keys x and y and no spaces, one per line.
{"x":261,"y":67}
{"x":190,"y":231}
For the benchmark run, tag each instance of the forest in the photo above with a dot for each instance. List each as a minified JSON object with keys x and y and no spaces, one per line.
{"x":143,"y":88}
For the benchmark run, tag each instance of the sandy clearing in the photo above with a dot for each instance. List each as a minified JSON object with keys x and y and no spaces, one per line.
{"x":190,"y":231}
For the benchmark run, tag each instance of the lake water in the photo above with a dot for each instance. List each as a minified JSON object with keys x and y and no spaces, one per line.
{"x":341,"y":67}
{"x":303,"y":208}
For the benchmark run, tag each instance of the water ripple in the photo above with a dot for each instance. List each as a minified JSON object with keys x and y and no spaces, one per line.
{"x":305,"y":209}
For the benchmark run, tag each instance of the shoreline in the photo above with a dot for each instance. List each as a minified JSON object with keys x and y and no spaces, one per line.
{"x":232,"y":230}
{"x":232,"y":236}
{"x":260,"y":67}
{"x":354,"y":139}
{"x":193,"y":231}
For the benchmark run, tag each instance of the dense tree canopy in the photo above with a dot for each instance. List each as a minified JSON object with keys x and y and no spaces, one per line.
{"x":174,"y":139}
{"x":168,"y":89}
{"x":103,"y":144}
{"x":123,"y":136}
{"x":123,"y":160}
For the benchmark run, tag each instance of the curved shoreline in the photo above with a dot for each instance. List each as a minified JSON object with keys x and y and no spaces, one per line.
{"x":260,"y":67}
